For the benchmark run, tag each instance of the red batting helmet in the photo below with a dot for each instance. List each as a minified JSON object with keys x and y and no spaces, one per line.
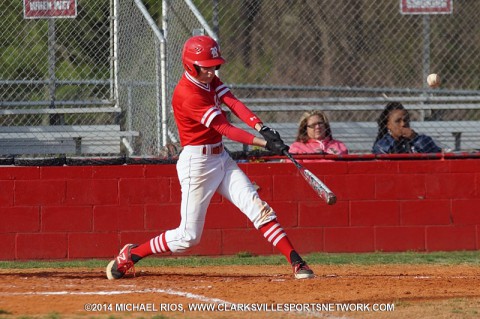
{"x":201,"y":50}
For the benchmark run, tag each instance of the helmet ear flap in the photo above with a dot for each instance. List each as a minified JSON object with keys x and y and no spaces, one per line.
{"x":191,"y":69}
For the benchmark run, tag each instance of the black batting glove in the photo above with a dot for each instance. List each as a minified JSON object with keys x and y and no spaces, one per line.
{"x":269,"y":134}
{"x":277,"y":147}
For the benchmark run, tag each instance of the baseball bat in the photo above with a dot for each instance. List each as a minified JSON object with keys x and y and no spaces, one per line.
{"x":318,"y":186}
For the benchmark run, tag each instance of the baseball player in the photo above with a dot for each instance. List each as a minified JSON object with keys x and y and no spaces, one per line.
{"x":204,"y":167}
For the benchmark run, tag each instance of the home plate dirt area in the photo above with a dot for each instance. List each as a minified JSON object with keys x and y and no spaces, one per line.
{"x":352,"y":291}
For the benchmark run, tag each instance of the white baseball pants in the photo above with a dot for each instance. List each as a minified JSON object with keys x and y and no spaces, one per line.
{"x":200,"y":177}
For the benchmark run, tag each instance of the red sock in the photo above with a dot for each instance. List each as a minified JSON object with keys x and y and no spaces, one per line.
{"x":155,"y":245}
{"x":275,"y":234}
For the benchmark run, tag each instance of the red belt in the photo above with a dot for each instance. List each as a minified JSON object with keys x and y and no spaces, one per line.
{"x":214,"y":150}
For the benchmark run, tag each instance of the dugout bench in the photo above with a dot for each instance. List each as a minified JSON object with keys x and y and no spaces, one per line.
{"x":64,"y":139}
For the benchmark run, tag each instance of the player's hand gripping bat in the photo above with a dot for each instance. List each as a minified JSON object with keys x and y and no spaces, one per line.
{"x":318,"y":186}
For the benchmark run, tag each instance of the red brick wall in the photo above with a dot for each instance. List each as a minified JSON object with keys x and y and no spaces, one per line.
{"x":91,"y":211}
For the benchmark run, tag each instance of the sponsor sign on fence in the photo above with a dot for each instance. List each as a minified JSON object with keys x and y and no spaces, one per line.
{"x":38,"y":9}
{"x":426,"y":6}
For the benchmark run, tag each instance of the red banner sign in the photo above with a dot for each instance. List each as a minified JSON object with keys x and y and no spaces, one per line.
{"x":37,"y":9}
{"x":426,"y":6}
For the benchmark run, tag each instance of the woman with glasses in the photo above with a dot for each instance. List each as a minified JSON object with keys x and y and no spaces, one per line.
{"x":315,"y":136}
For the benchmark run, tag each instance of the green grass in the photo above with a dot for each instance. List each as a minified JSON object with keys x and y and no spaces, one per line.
{"x":245,"y":258}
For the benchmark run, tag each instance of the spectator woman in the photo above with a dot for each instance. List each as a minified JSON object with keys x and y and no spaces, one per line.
{"x":395,"y":135}
{"x":315,"y":136}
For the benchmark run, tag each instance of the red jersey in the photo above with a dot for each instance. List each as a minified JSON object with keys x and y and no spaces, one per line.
{"x":196,"y":105}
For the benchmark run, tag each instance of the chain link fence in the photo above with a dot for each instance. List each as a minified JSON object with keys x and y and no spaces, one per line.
{"x":56,"y":81}
{"x":112,"y":69}
{"x":348,"y":58}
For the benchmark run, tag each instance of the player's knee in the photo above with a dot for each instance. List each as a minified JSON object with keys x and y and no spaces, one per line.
{"x":190,"y":240}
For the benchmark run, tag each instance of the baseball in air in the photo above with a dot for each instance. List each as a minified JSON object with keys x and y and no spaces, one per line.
{"x":433,"y":80}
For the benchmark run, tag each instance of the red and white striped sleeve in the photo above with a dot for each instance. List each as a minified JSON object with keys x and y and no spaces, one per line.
{"x":209,"y":115}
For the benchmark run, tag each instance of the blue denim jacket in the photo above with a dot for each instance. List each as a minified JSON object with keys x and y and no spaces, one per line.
{"x":419,"y":144}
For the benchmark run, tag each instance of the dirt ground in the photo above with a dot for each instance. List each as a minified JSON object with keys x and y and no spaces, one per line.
{"x":393,"y":291}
